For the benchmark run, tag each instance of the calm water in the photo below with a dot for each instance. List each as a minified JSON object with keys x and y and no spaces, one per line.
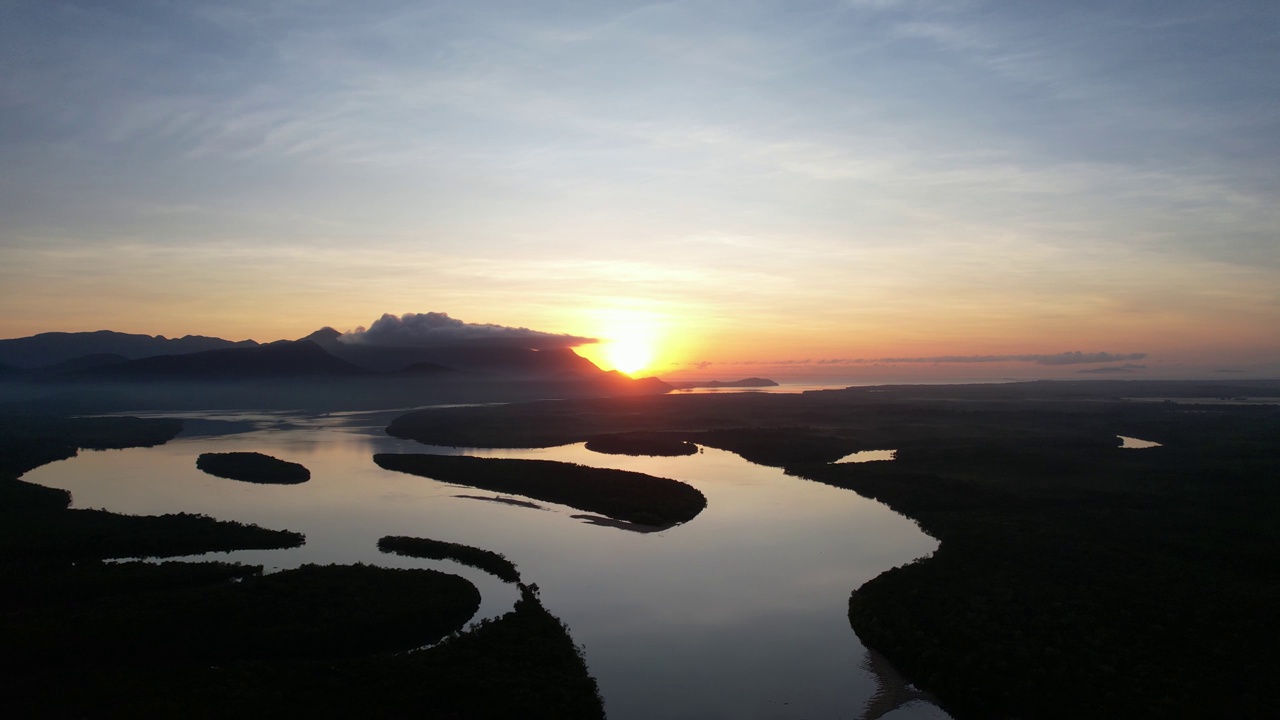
{"x":1130,"y":443}
{"x":740,"y":613}
{"x":863,"y":456}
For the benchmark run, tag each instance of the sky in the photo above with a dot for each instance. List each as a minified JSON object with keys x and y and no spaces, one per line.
{"x":941,"y":187}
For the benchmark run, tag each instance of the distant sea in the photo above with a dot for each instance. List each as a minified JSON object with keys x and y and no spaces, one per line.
{"x":799,"y":384}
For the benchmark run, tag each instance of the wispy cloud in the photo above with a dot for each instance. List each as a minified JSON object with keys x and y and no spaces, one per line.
{"x":1066,"y":358}
{"x":1127,"y":368}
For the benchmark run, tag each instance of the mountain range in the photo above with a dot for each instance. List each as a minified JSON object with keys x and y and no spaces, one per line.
{"x":322,"y":369}
{"x":105,"y":353}
{"x":53,"y":348}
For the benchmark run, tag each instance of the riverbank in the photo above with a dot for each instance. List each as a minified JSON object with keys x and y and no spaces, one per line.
{"x":95,"y":636}
{"x":1075,"y":578}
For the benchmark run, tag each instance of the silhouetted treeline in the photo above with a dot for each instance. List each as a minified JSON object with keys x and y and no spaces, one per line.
{"x":619,"y":494}
{"x":98,"y":534}
{"x":20,"y":495}
{"x":521,"y":665}
{"x":311,"y":612}
{"x":37,"y":526}
{"x":253,"y":467}
{"x":641,"y":443}
{"x":863,"y":418}
{"x":1076,"y":581}
{"x":92,"y":639}
{"x":491,"y":562}
{"x":1074,"y":578}
{"x":29,"y":441}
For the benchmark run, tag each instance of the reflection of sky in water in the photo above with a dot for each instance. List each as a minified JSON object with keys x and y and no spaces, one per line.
{"x":740,"y":613}
{"x":868,"y":456}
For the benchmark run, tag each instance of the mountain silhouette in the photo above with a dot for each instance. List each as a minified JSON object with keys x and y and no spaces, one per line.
{"x":477,"y":357}
{"x":284,"y":359}
{"x":52,"y":348}
{"x":80,"y":364}
{"x":317,"y":371}
{"x":323,"y":336}
{"x":424,"y":369}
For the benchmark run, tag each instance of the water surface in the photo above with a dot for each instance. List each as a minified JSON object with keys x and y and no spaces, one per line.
{"x":863,"y":456}
{"x":740,"y":613}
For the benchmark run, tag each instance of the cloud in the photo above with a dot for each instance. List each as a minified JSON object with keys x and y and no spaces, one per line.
{"x":1113,"y":369}
{"x":435,"y":329}
{"x":768,"y":363}
{"x":1079,"y":358}
{"x":1065,"y":358}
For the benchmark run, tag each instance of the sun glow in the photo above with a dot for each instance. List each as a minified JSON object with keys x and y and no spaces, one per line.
{"x":631,"y":341}
{"x":630,"y":355}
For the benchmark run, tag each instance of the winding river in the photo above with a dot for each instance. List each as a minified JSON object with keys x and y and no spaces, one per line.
{"x":740,"y":613}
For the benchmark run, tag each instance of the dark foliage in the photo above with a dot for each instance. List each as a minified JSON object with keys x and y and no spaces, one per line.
{"x":19,"y":495}
{"x":619,"y":494}
{"x":867,"y":418}
{"x":523,"y":665}
{"x":96,"y":534}
{"x":253,"y":467}
{"x":1074,"y":578}
{"x":53,"y":585}
{"x":82,"y":653}
{"x":135,"y":639}
{"x":491,"y":562}
{"x":777,"y":447}
{"x":36,"y":526}
{"x":311,"y":612}
{"x":1074,"y":581}
{"x":27,"y":442}
{"x":641,"y":443}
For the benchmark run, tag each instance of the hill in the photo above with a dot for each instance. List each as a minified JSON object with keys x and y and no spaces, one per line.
{"x":478,"y":357}
{"x":45,"y":349}
{"x":287,"y":359}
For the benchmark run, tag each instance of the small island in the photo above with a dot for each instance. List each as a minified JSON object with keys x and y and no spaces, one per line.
{"x":322,"y":641}
{"x":641,"y":443}
{"x":751,"y":382}
{"x":619,"y":494}
{"x":495,"y":564}
{"x":253,"y":467}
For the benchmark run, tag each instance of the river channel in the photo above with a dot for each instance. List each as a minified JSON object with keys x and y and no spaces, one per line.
{"x":740,"y":613}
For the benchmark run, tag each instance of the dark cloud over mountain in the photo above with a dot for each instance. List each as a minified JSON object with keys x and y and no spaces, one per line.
{"x":435,"y":329}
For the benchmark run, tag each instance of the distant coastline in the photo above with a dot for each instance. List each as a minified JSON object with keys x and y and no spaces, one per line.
{"x":751,"y":382}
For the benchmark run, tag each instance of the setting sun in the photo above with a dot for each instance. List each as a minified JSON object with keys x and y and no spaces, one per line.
{"x":630,"y":340}
{"x":630,"y":355}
